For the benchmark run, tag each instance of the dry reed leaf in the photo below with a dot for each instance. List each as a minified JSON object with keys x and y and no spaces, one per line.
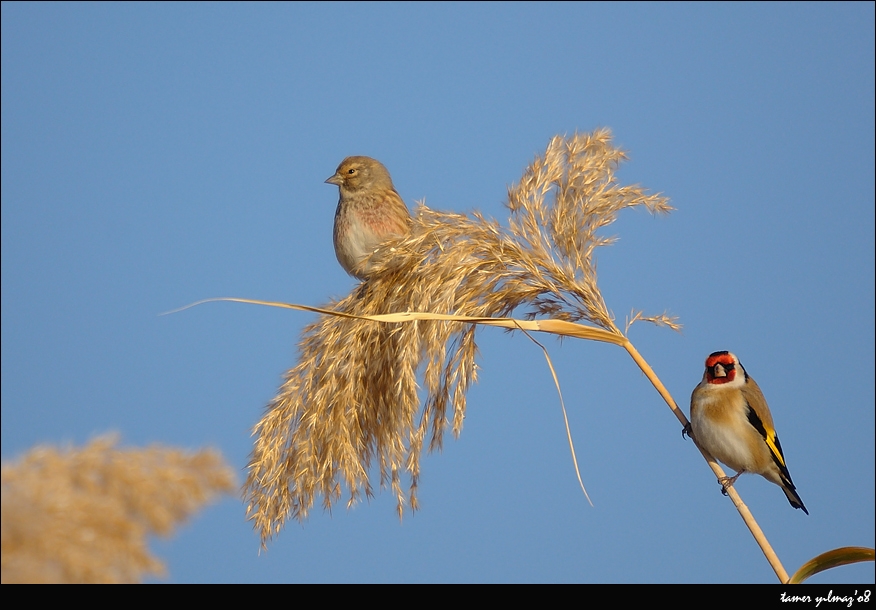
{"x":82,"y":515}
{"x":832,"y":559}
{"x":351,"y":405}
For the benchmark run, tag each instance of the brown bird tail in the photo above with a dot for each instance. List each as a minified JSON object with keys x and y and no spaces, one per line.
{"x":794,"y":497}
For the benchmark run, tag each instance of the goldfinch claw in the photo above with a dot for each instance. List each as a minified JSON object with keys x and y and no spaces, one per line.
{"x":728,"y":482}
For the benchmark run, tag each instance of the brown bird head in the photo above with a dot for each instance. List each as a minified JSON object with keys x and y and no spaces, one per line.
{"x":360,"y":173}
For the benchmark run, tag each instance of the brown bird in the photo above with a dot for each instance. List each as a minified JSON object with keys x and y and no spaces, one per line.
{"x":370,"y":211}
{"x":730,"y":419}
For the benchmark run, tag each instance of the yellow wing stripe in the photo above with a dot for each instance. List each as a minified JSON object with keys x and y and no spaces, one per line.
{"x":776,"y":451}
{"x":770,"y":437}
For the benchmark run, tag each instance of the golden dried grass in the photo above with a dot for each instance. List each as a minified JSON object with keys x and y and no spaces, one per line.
{"x":81,"y":515}
{"x":352,"y":404}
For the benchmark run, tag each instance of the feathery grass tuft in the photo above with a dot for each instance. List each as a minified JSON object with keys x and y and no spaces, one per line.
{"x":82,"y":515}
{"x":351,"y":405}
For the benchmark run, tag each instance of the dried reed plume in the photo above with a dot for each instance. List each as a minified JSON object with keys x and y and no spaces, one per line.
{"x":351,"y":403}
{"x":82,"y":515}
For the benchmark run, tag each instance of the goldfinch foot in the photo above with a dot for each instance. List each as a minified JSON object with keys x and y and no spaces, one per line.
{"x":728,"y":482}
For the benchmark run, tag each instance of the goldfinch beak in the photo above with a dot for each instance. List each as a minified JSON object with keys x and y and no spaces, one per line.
{"x":719,"y":371}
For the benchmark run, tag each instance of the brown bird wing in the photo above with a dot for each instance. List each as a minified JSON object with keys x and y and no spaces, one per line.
{"x":764,"y":427}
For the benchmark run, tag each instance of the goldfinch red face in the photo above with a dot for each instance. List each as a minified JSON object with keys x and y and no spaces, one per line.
{"x":723,"y":368}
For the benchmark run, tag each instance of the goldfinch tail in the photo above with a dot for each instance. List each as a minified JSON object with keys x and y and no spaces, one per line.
{"x":793,"y":497}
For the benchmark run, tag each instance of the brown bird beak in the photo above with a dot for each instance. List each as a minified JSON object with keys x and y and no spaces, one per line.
{"x":335,"y":179}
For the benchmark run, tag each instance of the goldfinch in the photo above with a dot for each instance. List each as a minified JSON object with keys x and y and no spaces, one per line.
{"x":730,"y":419}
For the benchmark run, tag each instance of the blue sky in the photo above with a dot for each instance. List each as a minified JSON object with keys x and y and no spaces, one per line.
{"x":158,"y":154}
